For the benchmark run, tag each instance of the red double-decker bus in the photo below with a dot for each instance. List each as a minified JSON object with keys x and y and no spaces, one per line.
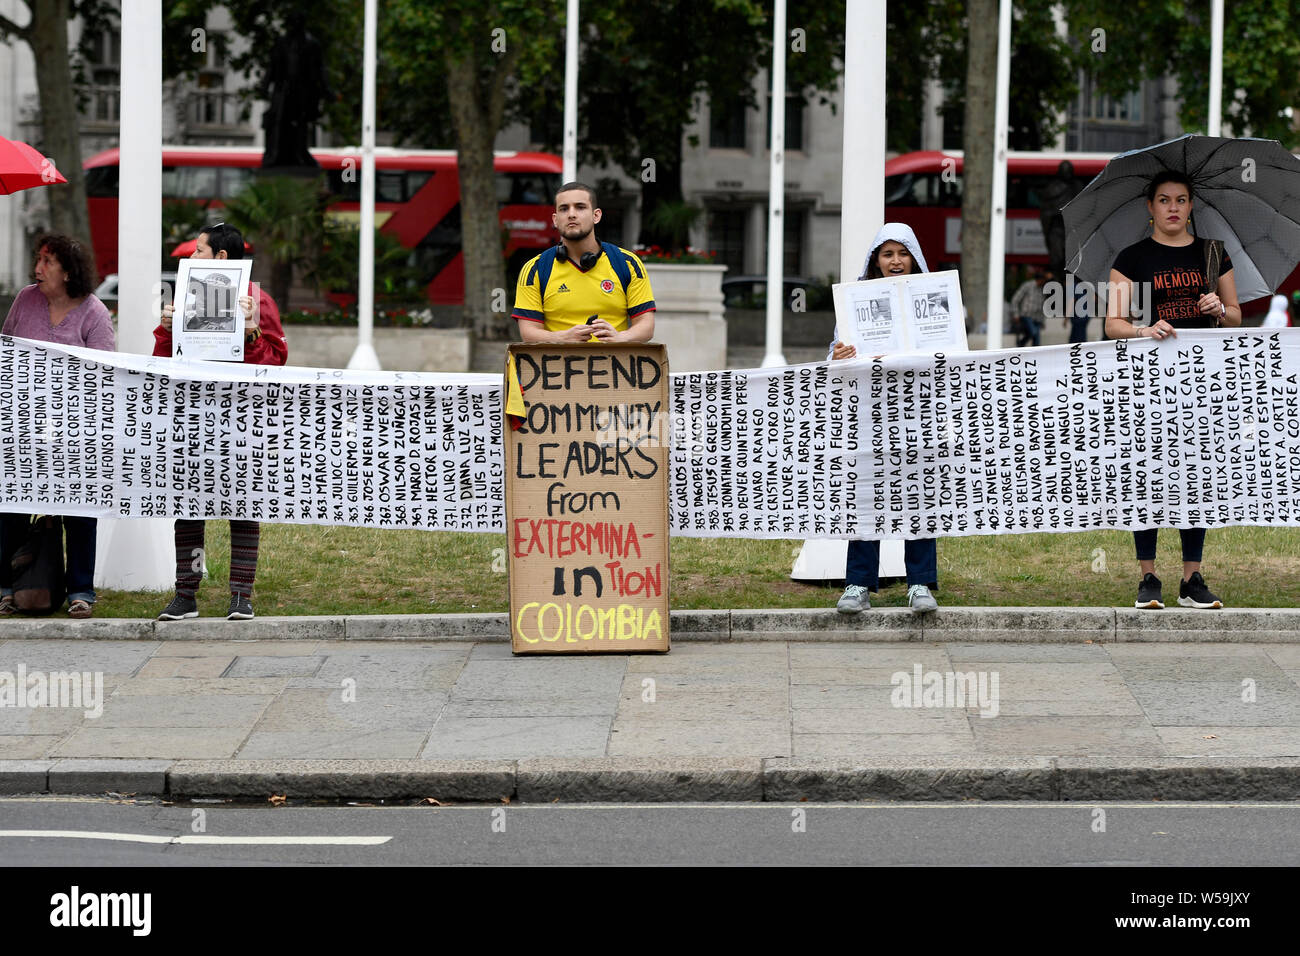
{"x":924,"y":190}
{"x":417,"y":200}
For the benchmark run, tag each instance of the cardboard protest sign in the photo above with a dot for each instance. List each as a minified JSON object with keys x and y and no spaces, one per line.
{"x":587,"y":498}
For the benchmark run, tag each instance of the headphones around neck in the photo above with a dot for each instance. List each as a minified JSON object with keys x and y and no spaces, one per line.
{"x":585,"y":261}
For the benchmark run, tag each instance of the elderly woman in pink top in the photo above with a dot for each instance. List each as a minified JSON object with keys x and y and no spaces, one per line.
{"x":58,"y":308}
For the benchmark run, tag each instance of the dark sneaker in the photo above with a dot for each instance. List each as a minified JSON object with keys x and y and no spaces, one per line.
{"x":854,"y":600}
{"x":241,"y":608}
{"x":1149,"y":593}
{"x":180,"y":609}
{"x":1194,"y":593}
{"x":921,"y":600}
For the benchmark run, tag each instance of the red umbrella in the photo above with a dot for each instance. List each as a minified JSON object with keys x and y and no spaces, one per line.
{"x":22,"y":167}
{"x":186,"y":249}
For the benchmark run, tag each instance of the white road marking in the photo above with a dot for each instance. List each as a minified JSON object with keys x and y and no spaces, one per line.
{"x":202,"y":839}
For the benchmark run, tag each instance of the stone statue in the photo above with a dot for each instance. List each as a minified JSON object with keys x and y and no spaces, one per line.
{"x":1054,"y":195}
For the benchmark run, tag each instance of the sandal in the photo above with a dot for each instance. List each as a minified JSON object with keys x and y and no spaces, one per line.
{"x":80,"y":609}
{"x":7,"y":605}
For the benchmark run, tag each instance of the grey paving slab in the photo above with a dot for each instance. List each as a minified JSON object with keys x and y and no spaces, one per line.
{"x":254,"y":666}
{"x":150,"y":742}
{"x":400,"y":669}
{"x":839,"y":697}
{"x":27,"y":721}
{"x":208,"y":666}
{"x":1052,"y":736}
{"x":874,"y":745}
{"x":227,"y":711}
{"x":501,"y":738}
{"x":844,"y":676}
{"x":200,"y":686}
{"x":649,"y":684}
{"x":449,"y":780}
{"x":27,"y":747}
{"x":1119,"y":705}
{"x":754,"y":652}
{"x":97,"y":629}
{"x":495,"y":652}
{"x":756,"y":737}
{"x":1231,"y":741}
{"x":704,"y":704}
{"x":1164,"y":650}
{"x":895,"y":656}
{"x":462,"y":646}
{"x":909,"y":778}
{"x":873,"y":720}
{"x":1034,"y":624}
{"x":584,"y":706}
{"x":24,"y":776}
{"x":107,"y":657}
{"x":357,"y":744}
{"x":1178,"y":778}
{"x":104,"y":776}
{"x":1286,"y":656}
{"x":1196,"y":703}
{"x":643,"y":780}
{"x":236,"y":648}
{"x":369,"y":709}
{"x":262,"y":628}
{"x":540,"y":679}
{"x":427,"y":627}
{"x":1251,"y":664}
{"x":1074,"y":653}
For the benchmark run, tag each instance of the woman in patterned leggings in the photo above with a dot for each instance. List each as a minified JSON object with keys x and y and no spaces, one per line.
{"x":263,"y":345}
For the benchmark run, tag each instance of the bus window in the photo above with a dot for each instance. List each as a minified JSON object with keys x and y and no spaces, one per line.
{"x":908,"y":189}
{"x":390,"y":185}
{"x":234,"y":179}
{"x":526,"y":189}
{"x":415,"y":180}
{"x":101,"y":182}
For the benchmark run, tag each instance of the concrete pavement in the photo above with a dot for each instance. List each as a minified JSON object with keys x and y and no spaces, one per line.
{"x":1001,"y":703}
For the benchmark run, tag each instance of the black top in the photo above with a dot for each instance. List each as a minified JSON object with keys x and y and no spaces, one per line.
{"x":1170,"y":278}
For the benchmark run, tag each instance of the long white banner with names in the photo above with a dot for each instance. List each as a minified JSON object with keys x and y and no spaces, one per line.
{"x":1202,"y":430}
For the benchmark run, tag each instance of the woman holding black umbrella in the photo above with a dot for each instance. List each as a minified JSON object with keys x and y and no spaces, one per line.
{"x":1166,"y":275}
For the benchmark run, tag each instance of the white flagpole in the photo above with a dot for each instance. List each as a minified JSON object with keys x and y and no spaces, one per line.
{"x":365,"y":356}
{"x":1215,"y":125}
{"x":570,"y":152}
{"x":773,"y":354}
{"x":998,"y":217}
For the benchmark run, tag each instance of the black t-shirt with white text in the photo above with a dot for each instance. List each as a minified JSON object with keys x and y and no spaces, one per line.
{"x":1170,"y":280}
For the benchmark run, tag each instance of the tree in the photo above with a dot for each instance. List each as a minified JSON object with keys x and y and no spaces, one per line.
{"x":46,"y":32}
{"x":491,"y":54}
{"x":647,"y":67}
{"x":979,"y":130}
{"x":1122,"y":44}
{"x":283,"y":217}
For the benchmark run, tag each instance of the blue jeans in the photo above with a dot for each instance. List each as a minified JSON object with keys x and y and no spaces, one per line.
{"x":920,"y":556}
{"x":79,"y":573}
{"x":1031,"y":331}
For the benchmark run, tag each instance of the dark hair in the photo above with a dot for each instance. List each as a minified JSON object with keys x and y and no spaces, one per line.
{"x":873,"y":267}
{"x":1170,"y":176}
{"x":591,"y":193}
{"x":74,"y":260}
{"x":221,"y":236}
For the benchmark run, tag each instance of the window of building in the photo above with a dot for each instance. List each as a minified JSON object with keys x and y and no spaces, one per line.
{"x":104,"y":63}
{"x":727,"y":238}
{"x":794,"y":105}
{"x":727,"y":124}
{"x":1122,"y":109}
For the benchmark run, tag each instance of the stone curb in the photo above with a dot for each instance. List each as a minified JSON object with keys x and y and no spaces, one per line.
{"x":1038,"y":625}
{"x":668,"y":779}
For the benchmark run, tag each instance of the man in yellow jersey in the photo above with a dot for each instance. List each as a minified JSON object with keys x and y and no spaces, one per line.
{"x":583,"y":290}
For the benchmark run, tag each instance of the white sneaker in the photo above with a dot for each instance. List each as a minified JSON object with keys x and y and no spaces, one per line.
{"x":921,"y":600}
{"x":854,"y":600}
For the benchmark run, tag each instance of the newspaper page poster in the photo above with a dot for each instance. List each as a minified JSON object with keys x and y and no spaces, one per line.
{"x":869,"y":315}
{"x":913,"y":313}
{"x":207,"y":321}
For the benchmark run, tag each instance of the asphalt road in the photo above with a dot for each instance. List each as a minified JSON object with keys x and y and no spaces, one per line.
{"x":39,"y":832}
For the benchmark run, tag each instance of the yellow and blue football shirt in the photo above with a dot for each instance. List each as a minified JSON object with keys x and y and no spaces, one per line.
{"x":573,"y":296}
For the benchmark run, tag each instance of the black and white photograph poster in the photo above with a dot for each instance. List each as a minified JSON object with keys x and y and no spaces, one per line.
{"x":937,"y":318}
{"x":208,"y":322}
